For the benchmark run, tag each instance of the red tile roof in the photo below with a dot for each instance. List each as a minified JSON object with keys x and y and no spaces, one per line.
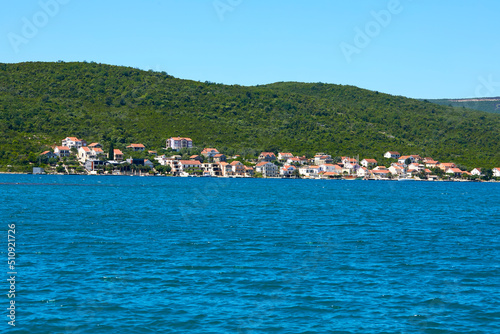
{"x":136,"y":146}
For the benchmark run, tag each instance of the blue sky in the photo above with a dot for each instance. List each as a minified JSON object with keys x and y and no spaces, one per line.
{"x":414,"y":48}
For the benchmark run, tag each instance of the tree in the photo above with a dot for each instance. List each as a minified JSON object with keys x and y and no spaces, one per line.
{"x":488,"y":174}
{"x":111,"y":154}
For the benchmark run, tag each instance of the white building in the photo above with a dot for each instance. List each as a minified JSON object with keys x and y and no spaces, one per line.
{"x":268,"y":169}
{"x":178,"y":143}
{"x":73,"y":142}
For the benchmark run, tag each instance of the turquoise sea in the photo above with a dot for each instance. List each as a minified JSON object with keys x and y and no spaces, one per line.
{"x":117,"y":254}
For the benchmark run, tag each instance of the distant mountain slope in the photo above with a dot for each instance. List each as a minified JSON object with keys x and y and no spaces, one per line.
{"x":41,"y":103}
{"x":490,"y":104}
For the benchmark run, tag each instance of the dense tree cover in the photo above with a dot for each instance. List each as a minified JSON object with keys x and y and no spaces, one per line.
{"x":42,"y":103}
{"x":483,"y":104}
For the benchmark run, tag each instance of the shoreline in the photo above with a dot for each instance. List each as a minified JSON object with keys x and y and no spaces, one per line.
{"x":268,"y":178}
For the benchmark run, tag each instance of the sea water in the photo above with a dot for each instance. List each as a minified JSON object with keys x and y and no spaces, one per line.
{"x":118,"y":254}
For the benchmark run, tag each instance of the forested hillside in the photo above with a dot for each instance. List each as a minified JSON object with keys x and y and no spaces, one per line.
{"x":41,"y":103}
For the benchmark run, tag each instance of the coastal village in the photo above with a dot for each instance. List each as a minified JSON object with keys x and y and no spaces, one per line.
{"x":93,"y":160}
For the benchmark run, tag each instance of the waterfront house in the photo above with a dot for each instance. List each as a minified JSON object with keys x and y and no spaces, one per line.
{"x":186,"y":164}
{"x":396,"y":170}
{"x":136,"y":147}
{"x":364,"y":172}
{"x":178,"y":143}
{"x":118,"y":154}
{"x":92,"y":165}
{"x":49,"y":154}
{"x":140,"y":162}
{"x":268,"y":169}
{"x":284,"y":156}
{"x":237,"y":168}
{"x":455,"y":172}
{"x":392,"y":155}
{"x":226,"y":169}
{"x":209,"y":152}
{"x":62,"y":151}
{"x":267,"y":156}
{"x":309,"y":171}
{"x":476,"y":172}
{"x":249,"y":171}
{"x":496,"y":172}
{"x":287,"y":170}
{"x":368,"y":162}
{"x":73,"y":142}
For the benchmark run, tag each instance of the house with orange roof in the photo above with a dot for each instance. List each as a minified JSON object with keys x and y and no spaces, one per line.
{"x":446,"y":165}
{"x":267,"y":156}
{"x":330,"y":168}
{"x":178,"y":143}
{"x":183,"y":165}
{"x":196,"y":157}
{"x":396,"y":170}
{"x":94,"y":145}
{"x":284,"y":156}
{"x":287,"y":170}
{"x":454,"y":172}
{"x":219,"y":157}
{"x":476,"y":172}
{"x":237,"y":168}
{"x":496,"y":172}
{"x":136,"y":147}
{"x":118,"y":154}
{"x":268,"y":169}
{"x":226,"y":169}
{"x":321,"y":159}
{"x":363,"y":172}
{"x":153,"y":153}
{"x":85,"y":153}
{"x":49,"y":154}
{"x":62,"y":151}
{"x":368,"y":162}
{"x":430,"y":163}
{"x":392,"y":155}
{"x":311,"y":172}
{"x":73,"y":142}
{"x":97,"y":151}
{"x":249,"y":171}
{"x":296,"y":160}
{"x":209,"y":152}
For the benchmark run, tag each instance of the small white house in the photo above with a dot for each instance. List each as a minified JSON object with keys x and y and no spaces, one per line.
{"x":368,"y":162}
{"x":392,"y":155}
{"x":476,"y":172}
{"x":496,"y":172}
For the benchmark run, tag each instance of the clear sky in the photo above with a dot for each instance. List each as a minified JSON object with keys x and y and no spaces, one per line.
{"x":414,"y":48}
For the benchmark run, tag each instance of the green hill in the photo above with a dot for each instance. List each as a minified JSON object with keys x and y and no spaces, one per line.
{"x":42,"y":103}
{"x":490,"y":104}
